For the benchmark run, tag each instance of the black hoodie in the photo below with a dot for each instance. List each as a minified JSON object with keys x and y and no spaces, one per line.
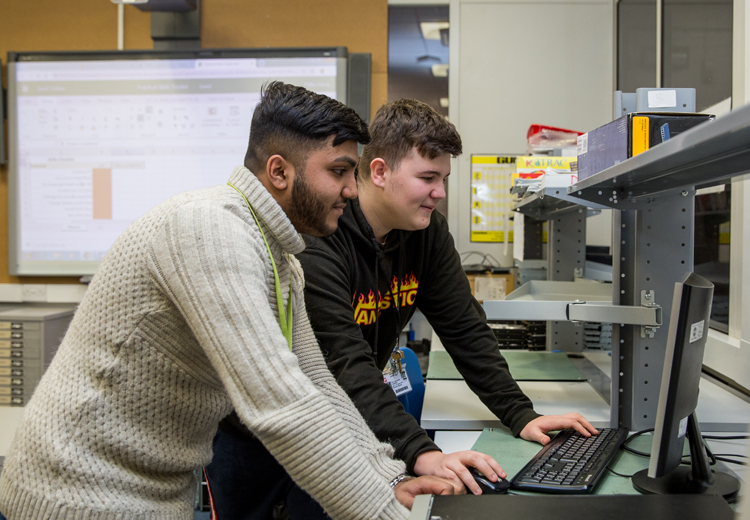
{"x":349,"y":277}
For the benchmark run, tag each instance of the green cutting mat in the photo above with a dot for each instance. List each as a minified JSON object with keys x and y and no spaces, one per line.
{"x":524,"y":366}
{"x":513,"y":454}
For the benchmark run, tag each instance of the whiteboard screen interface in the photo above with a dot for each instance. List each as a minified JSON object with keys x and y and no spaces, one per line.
{"x":97,"y":143}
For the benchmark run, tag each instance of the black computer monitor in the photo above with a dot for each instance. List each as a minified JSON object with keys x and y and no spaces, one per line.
{"x":678,"y":398}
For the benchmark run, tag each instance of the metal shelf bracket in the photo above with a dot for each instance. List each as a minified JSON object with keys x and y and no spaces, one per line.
{"x":647,"y":300}
{"x":648,"y":316}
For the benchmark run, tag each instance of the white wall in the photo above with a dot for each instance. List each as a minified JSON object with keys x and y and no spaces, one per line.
{"x":730,"y":354}
{"x":739,"y":329}
{"x":515,"y":63}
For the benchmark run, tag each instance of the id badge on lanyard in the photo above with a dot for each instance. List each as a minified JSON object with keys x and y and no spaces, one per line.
{"x":395,"y":374}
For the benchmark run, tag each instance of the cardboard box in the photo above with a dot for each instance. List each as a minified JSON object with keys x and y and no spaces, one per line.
{"x":491,"y":286}
{"x":628,"y":136}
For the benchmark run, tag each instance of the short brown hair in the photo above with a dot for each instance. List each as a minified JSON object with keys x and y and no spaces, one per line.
{"x":405,"y":124}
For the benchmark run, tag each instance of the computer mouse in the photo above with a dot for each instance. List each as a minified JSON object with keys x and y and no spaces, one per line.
{"x":487,"y":486}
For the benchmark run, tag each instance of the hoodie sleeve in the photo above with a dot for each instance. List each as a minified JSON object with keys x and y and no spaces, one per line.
{"x":446,"y":301}
{"x":328,"y":296}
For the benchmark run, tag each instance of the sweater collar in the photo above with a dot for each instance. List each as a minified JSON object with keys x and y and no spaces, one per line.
{"x":268,"y":210}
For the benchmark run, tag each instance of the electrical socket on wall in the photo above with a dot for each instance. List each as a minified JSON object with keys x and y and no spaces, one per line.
{"x":34,"y":292}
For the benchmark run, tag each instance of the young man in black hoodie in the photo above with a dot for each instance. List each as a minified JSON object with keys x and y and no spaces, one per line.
{"x":391,"y":254}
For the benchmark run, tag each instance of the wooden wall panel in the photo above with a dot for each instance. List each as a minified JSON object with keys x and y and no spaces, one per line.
{"x":379,"y":92}
{"x":359,"y":25}
{"x":40,"y":25}
{"x":45,"y":25}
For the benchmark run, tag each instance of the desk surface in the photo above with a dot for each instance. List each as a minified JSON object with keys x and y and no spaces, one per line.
{"x":523,"y":365}
{"x":502,"y":446}
{"x":513,"y":454}
{"x":451,"y":405}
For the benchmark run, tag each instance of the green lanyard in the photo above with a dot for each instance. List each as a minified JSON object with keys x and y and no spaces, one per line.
{"x":285,"y":318}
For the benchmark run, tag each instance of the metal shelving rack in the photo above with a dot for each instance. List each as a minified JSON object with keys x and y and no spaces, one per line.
{"x":566,"y":217}
{"x":653,"y":229}
{"x":549,"y":202}
{"x":566,"y":246}
{"x":580,"y":301}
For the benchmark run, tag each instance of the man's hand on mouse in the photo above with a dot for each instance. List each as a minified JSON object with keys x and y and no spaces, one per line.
{"x":453,"y":466}
{"x":536,"y":430}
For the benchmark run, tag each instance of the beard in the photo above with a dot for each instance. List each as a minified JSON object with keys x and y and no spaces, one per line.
{"x":308,"y":212}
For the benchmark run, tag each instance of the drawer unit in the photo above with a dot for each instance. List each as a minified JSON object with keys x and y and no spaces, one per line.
{"x":29,"y":338}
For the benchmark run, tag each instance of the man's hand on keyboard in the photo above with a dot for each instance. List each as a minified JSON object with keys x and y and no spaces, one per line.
{"x":537,"y":429}
{"x":453,"y":466}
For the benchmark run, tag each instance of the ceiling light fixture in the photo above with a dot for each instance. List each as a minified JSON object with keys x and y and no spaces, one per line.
{"x":440,"y":70}
{"x":431,"y":30}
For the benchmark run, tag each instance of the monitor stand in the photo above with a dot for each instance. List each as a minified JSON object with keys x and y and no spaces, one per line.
{"x":694,"y":479}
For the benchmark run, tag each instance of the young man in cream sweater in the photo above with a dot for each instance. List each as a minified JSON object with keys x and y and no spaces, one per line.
{"x":198,"y":308}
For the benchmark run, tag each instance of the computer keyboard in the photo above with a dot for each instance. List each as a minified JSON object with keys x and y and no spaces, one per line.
{"x":570,"y":462}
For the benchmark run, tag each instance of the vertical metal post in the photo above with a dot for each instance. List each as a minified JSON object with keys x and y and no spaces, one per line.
{"x":532,"y":237}
{"x":653,"y":249}
{"x":566,"y":243}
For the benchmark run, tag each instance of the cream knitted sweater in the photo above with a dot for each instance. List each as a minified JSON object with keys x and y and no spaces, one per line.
{"x":179,"y":326}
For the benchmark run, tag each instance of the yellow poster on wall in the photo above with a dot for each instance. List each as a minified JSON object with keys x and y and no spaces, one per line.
{"x":491,"y":203}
